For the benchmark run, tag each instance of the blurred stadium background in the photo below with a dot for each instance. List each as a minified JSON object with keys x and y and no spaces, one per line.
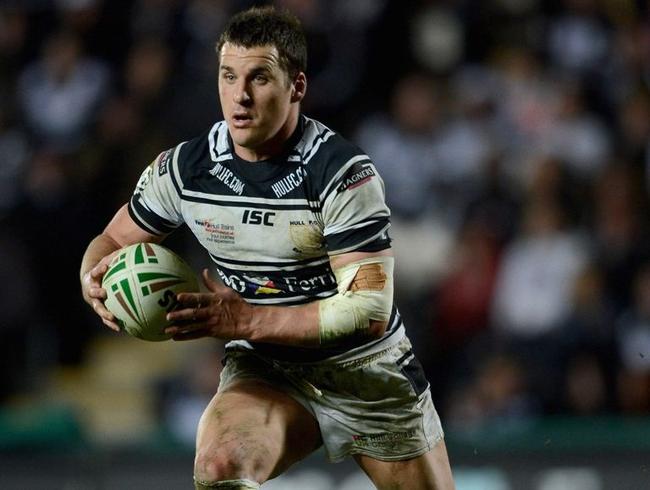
{"x":514,"y":139}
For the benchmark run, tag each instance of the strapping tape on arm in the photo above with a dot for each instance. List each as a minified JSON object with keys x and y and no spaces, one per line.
{"x":365,"y":293}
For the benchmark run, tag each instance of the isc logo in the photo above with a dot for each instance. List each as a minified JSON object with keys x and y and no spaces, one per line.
{"x":256,"y":217}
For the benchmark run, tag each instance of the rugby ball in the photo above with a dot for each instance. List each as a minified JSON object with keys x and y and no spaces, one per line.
{"x":141,"y":284}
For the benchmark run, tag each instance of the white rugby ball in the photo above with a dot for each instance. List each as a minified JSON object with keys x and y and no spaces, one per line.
{"x":141,"y":284}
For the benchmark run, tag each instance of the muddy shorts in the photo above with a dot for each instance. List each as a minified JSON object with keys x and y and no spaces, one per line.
{"x":377,"y":403}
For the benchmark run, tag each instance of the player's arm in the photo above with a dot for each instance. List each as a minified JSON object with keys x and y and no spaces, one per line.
{"x":359,"y":312}
{"x":152,"y":213}
{"x":121,"y":231}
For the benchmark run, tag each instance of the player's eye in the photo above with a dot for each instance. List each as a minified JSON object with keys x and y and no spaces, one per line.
{"x":260,"y":79}
{"x":228,"y":77}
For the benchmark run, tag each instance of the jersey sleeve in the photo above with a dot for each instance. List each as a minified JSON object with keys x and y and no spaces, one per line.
{"x":354,"y":210}
{"x":156,"y":204}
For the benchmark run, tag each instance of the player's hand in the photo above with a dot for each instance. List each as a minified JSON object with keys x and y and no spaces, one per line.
{"x":95,"y":295}
{"x":221,"y":313}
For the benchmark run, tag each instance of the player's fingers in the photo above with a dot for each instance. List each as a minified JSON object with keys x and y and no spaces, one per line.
{"x":187,"y":299}
{"x":111,"y":325}
{"x":109,"y":258}
{"x":99,"y":293}
{"x":189,"y":315}
{"x":98,"y":271}
{"x":106,"y":260}
{"x":102,"y":311}
{"x":193,"y":300}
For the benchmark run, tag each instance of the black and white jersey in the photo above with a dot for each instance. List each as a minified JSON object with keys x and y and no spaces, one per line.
{"x":270,"y":226}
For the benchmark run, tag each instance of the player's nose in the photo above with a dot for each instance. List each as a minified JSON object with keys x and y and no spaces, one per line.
{"x":242,"y":96}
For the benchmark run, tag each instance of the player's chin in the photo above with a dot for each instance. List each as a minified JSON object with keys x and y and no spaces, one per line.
{"x":247,"y":137}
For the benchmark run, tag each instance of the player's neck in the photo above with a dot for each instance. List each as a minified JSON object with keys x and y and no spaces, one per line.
{"x":273,"y":147}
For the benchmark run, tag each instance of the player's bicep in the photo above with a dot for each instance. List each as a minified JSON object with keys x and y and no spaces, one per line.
{"x":125,"y":231}
{"x":354,"y":209}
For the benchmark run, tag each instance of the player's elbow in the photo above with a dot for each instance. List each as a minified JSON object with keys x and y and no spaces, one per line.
{"x":345,"y":321}
{"x":376,"y":329}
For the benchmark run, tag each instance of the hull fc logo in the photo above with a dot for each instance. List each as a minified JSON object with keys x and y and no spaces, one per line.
{"x":285,"y":185}
{"x":357,"y":175}
{"x":228,"y":178}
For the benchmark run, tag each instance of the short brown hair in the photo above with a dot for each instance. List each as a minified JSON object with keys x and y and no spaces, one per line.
{"x":266,"y":26}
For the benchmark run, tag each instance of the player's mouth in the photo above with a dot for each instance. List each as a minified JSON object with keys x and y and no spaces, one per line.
{"x":242,"y":120}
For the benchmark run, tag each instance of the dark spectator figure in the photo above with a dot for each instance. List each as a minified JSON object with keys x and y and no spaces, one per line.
{"x":61,"y":92}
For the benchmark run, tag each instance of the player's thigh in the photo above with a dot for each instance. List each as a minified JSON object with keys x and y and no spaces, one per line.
{"x":252,"y":430}
{"x":430,"y":471}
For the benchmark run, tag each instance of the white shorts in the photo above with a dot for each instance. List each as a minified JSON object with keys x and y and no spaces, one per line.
{"x":377,"y":404}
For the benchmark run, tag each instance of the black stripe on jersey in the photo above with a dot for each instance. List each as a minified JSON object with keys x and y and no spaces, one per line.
{"x":249,"y":204}
{"x":279,"y":265}
{"x":147,"y":219}
{"x":357,"y":236}
{"x":174,"y":166}
{"x":172,"y":175}
{"x":377,"y":245}
{"x":142,"y":224}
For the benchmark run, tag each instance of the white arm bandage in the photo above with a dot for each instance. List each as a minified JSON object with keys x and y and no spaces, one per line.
{"x":365,"y":292}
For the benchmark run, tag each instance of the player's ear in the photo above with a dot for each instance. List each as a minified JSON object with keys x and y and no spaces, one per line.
{"x":298,"y":87}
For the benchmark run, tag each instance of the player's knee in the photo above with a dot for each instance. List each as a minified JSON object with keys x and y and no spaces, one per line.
{"x":228,"y":462}
{"x":212,"y":466}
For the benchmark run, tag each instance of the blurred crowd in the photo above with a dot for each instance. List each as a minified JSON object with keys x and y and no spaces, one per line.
{"x":513,"y":137}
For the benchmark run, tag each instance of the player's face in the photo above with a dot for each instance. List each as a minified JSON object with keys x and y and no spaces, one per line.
{"x":259,"y":102}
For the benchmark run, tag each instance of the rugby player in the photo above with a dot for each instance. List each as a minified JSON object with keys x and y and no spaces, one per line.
{"x":294,"y":220}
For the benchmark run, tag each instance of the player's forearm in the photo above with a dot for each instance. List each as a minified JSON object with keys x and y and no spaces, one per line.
{"x":297,"y":326}
{"x":301,"y":326}
{"x":357,"y":313}
{"x":101,"y":246}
